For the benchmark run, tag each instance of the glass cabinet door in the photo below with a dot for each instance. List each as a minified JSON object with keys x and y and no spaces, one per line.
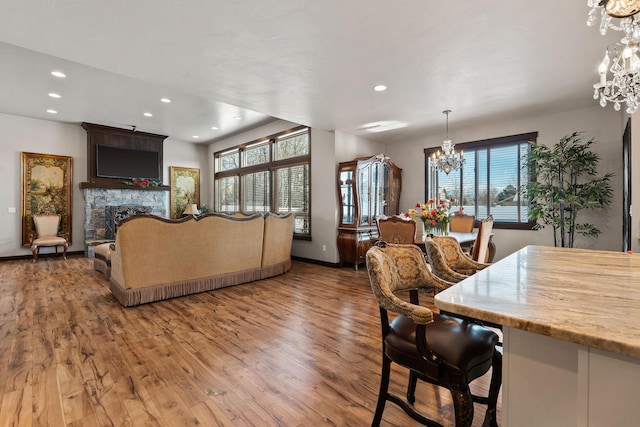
{"x":348,"y":197}
{"x":395,"y":193}
{"x":380,"y":190}
{"x":364,"y":192}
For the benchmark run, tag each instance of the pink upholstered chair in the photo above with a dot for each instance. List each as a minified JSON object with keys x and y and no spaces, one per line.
{"x":47,"y":235}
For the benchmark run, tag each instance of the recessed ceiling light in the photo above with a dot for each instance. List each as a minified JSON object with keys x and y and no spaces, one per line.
{"x":54,"y":95}
{"x":52,"y":112}
{"x":379,"y":88}
{"x":165,"y":100}
{"x":148,"y":114}
{"x":237,"y":117}
{"x":214,"y":128}
{"x":58,"y":74}
{"x":195,"y":137}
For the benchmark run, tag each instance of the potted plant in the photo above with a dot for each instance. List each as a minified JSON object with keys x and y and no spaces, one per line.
{"x":565,"y":183}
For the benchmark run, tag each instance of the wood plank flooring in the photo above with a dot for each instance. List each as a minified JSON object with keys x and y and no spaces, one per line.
{"x":302,"y":349}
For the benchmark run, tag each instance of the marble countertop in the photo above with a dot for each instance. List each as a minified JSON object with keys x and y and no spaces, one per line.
{"x":581,"y":296}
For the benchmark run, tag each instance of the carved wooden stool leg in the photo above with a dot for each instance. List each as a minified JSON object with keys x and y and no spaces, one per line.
{"x":411,"y":389}
{"x":384,"y":389}
{"x":491,"y":418}
{"x":462,"y":406}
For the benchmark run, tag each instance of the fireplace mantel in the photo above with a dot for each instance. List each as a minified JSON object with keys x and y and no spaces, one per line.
{"x":123,"y":186}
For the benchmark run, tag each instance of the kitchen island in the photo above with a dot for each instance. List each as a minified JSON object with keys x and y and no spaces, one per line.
{"x":571,"y":331}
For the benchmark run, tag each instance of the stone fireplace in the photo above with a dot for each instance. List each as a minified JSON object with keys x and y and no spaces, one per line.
{"x":105,"y":207}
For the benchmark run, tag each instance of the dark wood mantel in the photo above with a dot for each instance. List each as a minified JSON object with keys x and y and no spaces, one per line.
{"x":122,"y":186}
{"x":123,"y":138}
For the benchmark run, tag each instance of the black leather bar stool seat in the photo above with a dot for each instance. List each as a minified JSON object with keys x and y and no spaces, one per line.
{"x":465,"y":348}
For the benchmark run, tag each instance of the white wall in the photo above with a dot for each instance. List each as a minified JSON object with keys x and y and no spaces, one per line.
{"x":44,"y":137}
{"x":328,"y":149}
{"x":349,"y":147}
{"x":47,"y":137}
{"x":603,"y":124}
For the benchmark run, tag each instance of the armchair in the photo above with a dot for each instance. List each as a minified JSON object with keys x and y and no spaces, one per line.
{"x":47,"y":235}
{"x":455,"y":257}
{"x":442,"y":350}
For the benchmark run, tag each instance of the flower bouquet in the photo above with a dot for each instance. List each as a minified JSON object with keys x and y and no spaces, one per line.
{"x":434,"y":216}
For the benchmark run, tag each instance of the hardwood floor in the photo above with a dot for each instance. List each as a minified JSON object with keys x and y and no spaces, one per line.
{"x":301,"y":349}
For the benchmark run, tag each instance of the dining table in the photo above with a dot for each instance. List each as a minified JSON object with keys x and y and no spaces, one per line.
{"x":570,"y":321}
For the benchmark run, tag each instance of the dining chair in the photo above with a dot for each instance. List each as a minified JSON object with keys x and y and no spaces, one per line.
{"x":46,"y":234}
{"x":393,"y":229}
{"x":443,"y":350}
{"x":462,"y":223}
{"x":455,"y":257}
{"x":438,"y":262}
{"x":480,"y":249}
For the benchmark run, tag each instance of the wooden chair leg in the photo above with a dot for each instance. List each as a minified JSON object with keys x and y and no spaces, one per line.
{"x":64,"y":251}
{"x":384,"y":390}
{"x":35,"y":250}
{"x":491,"y":417}
{"x":411,"y":389}
{"x":462,"y":406}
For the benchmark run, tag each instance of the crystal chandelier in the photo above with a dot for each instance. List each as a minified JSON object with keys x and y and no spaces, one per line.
{"x":624,"y":65}
{"x":448,"y":159}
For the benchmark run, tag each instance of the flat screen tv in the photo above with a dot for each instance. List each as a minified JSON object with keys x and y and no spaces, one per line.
{"x":119,"y":162}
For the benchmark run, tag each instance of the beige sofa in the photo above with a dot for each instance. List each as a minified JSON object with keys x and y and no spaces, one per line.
{"x":155,"y":258}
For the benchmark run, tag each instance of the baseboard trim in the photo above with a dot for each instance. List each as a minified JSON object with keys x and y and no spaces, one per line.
{"x":51,"y":255}
{"x":315,"y":261}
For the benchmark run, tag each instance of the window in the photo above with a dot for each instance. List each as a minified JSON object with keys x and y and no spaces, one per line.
{"x":270,"y":175}
{"x":489,"y":181}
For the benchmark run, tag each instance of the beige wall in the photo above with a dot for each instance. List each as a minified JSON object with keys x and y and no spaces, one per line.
{"x":603,"y":124}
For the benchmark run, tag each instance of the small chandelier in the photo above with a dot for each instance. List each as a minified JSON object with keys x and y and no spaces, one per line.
{"x":624,"y":86}
{"x":448,"y":159}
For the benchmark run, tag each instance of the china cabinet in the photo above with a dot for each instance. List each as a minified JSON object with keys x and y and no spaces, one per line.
{"x":367,"y":187}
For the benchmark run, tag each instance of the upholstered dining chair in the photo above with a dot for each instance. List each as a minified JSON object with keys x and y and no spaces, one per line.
{"x":443,"y":350}
{"x":438,"y":263}
{"x":393,"y":229}
{"x":462,"y":223}
{"x":480,"y":249}
{"x":46,"y":234}
{"x":455,"y":257}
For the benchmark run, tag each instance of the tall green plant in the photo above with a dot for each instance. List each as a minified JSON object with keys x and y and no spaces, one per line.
{"x":565,"y":183}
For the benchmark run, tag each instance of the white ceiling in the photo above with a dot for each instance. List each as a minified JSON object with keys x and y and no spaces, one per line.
{"x":309,"y":62}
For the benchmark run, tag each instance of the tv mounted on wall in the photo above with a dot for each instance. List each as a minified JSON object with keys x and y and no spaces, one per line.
{"x":118,"y":162}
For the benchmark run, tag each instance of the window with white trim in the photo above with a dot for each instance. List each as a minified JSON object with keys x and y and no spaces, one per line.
{"x":488,"y":182}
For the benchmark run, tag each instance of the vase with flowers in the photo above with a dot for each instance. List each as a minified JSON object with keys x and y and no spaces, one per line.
{"x":434,"y":216}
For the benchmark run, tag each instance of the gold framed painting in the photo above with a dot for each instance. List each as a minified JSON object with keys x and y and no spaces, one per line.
{"x":185,"y":189}
{"x":46,"y":188}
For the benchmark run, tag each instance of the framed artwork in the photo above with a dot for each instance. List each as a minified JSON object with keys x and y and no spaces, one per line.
{"x":46,"y":188}
{"x":185,"y":189}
